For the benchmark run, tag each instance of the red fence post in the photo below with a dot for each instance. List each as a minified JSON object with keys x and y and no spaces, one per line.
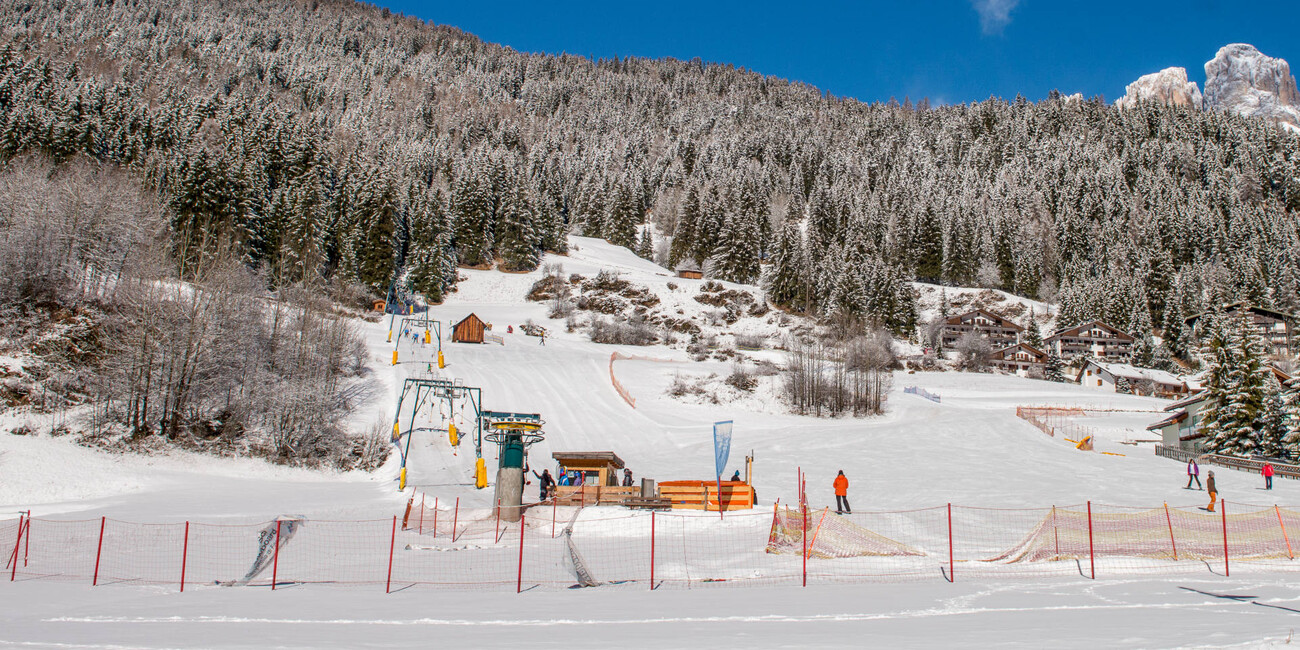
{"x":1170,"y":522}
{"x":1092,"y":555}
{"x":27,"y":539}
{"x":804,"y":536}
{"x":435,"y":517}
{"x":392,"y":544}
{"x":1289,"y":554}
{"x":652,"y":550}
{"x":421,"y":524}
{"x":275,"y":562}
{"x":185,"y":554}
{"x":455,"y":517}
{"x":99,"y":550}
{"x":13,"y":574}
{"x":496,"y":537}
{"x":519,"y":577}
{"x":951,"y":578}
{"x":554,"y":504}
{"x":1223,"y":509}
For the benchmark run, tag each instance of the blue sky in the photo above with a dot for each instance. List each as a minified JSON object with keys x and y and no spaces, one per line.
{"x":950,"y":51}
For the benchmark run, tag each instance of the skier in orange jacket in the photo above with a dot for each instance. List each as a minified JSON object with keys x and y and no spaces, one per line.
{"x":842,"y":494}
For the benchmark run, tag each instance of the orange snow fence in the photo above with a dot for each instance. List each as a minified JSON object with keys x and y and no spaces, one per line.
{"x":622,"y":392}
{"x":444,"y":544}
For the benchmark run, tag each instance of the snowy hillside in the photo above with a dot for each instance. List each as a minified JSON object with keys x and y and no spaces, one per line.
{"x":969,"y":449}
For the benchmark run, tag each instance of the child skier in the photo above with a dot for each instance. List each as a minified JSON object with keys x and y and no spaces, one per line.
{"x":1193,"y":474}
{"x":1267,"y":471}
{"x":1209,"y":487}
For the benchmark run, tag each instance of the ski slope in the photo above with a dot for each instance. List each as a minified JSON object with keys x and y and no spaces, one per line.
{"x":969,"y":449}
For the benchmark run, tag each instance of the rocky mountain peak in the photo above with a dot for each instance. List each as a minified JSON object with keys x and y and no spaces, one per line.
{"x":1243,"y":80}
{"x":1169,"y":86}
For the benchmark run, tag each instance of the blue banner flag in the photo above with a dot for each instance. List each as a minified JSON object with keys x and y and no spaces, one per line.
{"x":721,"y":445}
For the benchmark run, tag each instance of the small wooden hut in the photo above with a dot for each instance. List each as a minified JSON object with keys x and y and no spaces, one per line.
{"x":690,"y":270}
{"x":597,"y":467}
{"x":469,"y":330}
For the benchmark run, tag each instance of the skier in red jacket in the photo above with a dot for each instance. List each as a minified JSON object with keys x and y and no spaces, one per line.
{"x":1267,"y":471}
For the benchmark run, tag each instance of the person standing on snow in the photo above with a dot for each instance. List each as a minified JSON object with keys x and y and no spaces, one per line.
{"x":842,"y":494}
{"x":1209,"y":487}
{"x":1193,"y":474}
{"x":1267,"y":471}
{"x":547,"y":484}
{"x":543,"y":337}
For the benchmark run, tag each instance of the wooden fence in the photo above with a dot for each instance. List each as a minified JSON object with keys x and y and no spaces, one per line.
{"x":1253,"y":465}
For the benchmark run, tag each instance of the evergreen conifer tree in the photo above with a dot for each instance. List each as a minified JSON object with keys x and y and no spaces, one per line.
{"x":1273,"y":425}
{"x":785,"y":284}
{"x":1033,"y":335}
{"x":516,"y":239}
{"x":1052,"y":370}
{"x":471,"y":211}
{"x":645,"y":248}
{"x":1234,"y":385}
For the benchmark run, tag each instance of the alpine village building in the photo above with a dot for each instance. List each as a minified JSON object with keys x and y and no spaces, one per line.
{"x":1021,"y":359}
{"x":1277,"y":328}
{"x":1092,"y":339}
{"x":1000,"y":332}
{"x":1181,"y":430}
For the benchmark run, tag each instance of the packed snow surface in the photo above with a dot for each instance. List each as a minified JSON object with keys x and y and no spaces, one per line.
{"x":969,"y":449}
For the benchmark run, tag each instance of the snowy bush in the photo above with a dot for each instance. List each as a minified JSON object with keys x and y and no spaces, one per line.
{"x":631,"y":332}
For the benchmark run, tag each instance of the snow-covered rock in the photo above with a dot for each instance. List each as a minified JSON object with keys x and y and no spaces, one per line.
{"x":1169,"y":86}
{"x":1243,"y":80}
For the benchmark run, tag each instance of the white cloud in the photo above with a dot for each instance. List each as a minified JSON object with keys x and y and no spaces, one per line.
{"x":994,"y":14}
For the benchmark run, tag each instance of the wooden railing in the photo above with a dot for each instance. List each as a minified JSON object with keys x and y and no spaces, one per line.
{"x":684,"y":495}
{"x":1284,"y":470}
{"x":594,"y":495}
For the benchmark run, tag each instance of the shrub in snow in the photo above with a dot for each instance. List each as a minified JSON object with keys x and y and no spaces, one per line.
{"x":632,"y":332}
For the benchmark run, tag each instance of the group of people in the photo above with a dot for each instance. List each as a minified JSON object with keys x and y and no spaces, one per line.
{"x":1194,"y":476}
{"x":415,"y":336}
{"x":547,"y":483}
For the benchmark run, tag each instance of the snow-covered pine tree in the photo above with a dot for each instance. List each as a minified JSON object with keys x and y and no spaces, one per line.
{"x":736,"y":257}
{"x":686,"y":233}
{"x":1234,"y":385}
{"x":1273,"y":429}
{"x":623,"y":217}
{"x":1291,"y":419}
{"x":517,"y":241}
{"x":1123,"y":386}
{"x":785,"y":282}
{"x":1033,"y":335}
{"x":1052,"y":370}
{"x":645,"y":246}
{"x":471,"y":211}
{"x":430,"y":261}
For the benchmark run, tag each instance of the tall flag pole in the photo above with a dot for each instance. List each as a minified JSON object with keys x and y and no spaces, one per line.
{"x":721,"y":451}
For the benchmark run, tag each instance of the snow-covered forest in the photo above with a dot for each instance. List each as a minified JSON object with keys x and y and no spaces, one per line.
{"x":333,"y":148}
{"x":336,"y":141}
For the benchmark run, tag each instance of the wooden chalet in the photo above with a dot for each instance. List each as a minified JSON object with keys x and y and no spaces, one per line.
{"x":1000,"y":331}
{"x":1277,"y":328}
{"x":1021,"y":359}
{"x":469,"y":330}
{"x":690,"y":270}
{"x":1091,"y":339}
{"x":1140,"y":381}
